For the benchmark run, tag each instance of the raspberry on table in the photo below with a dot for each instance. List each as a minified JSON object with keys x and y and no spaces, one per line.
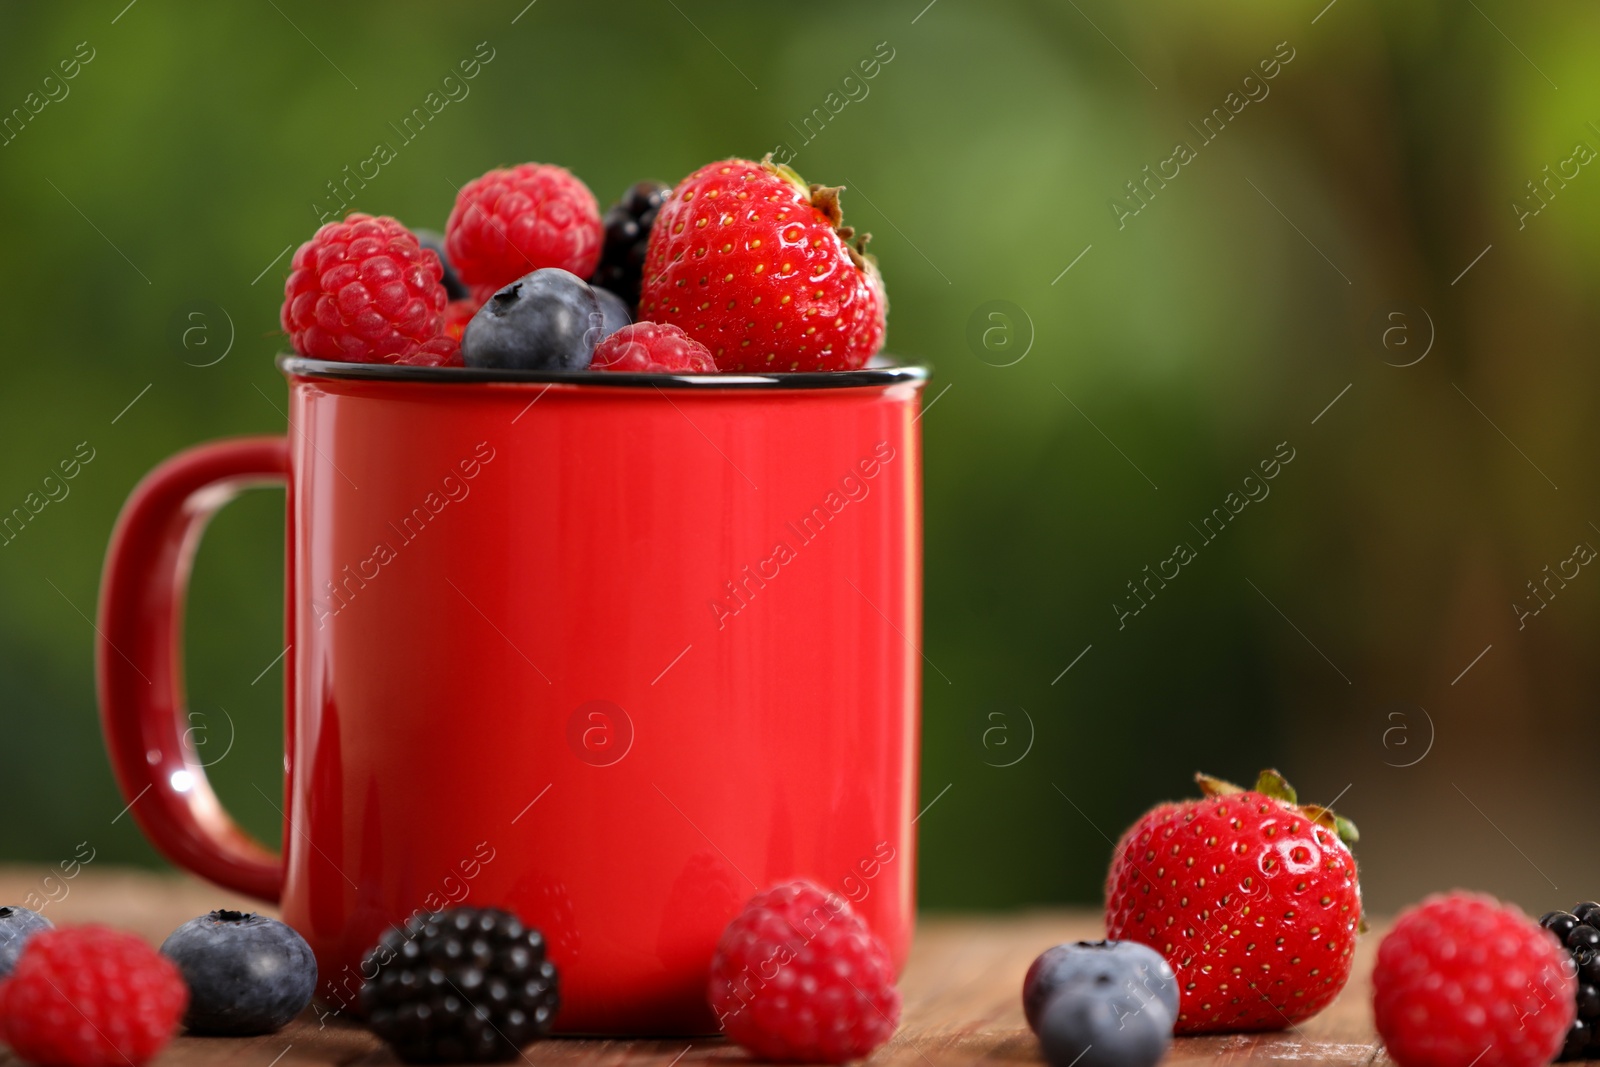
{"x":462,"y":985}
{"x":511,"y":222}
{"x":89,"y":996}
{"x":654,"y":348}
{"x":363,"y":291}
{"x":1462,"y":979}
{"x":797,"y":975}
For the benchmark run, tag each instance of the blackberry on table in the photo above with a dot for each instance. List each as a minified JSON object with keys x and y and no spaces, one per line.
{"x":463,"y":985}
{"x":627,"y":224}
{"x":1579,"y":932}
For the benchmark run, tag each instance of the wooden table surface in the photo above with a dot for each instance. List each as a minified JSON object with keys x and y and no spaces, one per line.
{"x":962,"y":992}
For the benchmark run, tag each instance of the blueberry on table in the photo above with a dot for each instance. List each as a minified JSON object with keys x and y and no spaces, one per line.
{"x":547,"y":320}
{"x":247,"y":974}
{"x":1136,"y":968}
{"x":16,"y":926}
{"x":1095,"y":1021}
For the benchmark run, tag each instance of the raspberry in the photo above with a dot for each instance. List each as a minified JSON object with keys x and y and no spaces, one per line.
{"x":457,"y":314}
{"x":363,"y":291}
{"x":1463,"y":979}
{"x":442,"y":351}
{"x":88,"y":996}
{"x":509,"y":223}
{"x":654,"y":348}
{"x":797,"y":975}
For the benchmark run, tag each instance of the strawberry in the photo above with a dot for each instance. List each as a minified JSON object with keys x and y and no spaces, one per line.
{"x":758,"y":266}
{"x":1251,"y":897}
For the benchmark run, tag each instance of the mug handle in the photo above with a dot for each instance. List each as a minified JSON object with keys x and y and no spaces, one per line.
{"x":139,"y":660}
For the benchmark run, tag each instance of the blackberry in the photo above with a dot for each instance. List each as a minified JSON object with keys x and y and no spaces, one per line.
{"x":463,"y":985}
{"x":627,"y":224}
{"x":1579,"y":932}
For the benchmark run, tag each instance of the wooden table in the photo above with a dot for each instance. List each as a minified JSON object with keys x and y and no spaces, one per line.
{"x":962,"y":993}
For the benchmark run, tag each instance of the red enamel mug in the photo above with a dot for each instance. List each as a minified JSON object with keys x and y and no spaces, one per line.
{"x":611,"y":651}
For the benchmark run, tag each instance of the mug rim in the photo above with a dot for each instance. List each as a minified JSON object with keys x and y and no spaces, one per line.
{"x":305,"y":367}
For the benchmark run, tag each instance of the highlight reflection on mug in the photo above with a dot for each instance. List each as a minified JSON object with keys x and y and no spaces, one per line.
{"x":599,"y":733}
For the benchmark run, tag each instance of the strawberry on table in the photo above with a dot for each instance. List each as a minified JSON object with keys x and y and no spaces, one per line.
{"x":1250,"y":895}
{"x":759,"y":267}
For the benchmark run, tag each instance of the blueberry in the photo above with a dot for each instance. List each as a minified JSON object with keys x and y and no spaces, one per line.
{"x":547,"y":320}
{"x":247,"y":974}
{"x":1097,"y":1021}
{"x":613,"y":310}
{"x":16,"y":926}
{"x":452,"y":282}
{"x":1137,"y":967}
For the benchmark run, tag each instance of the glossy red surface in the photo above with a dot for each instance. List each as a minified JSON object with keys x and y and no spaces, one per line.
{"x":520,"y":676}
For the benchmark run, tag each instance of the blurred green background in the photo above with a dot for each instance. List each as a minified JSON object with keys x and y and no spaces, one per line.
{"x":1343,"y":268}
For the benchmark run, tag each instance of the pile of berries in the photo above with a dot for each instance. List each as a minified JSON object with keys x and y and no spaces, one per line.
{"x":797,"y":975}
{"x":741,"y":267}
{"x":1578,"y":931}
{"x":88,"y":996}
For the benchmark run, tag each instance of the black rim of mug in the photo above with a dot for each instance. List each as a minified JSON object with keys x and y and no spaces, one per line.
{"x":878,"y":377}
